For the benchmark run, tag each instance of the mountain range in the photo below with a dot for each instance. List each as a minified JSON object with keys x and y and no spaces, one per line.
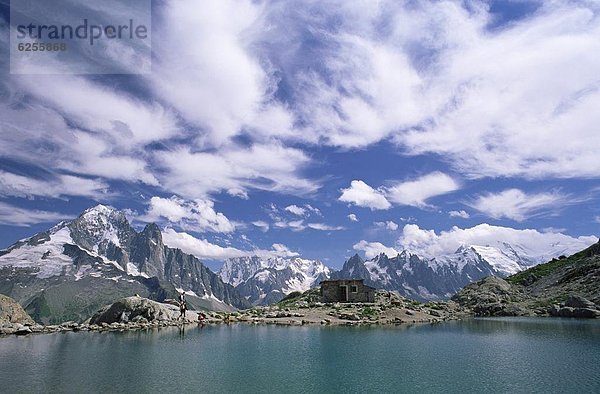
{"x":267,"y":280}
{"x":264,"y":281}
{"x":78,"y":266}
{"x":71,"y":270}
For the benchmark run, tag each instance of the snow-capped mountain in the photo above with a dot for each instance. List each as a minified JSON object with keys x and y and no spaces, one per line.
{"x":264,"y":281}
{"x":77,"y":266}
{"x":440,"y":277}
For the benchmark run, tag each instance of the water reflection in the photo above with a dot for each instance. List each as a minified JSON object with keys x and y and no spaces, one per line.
{"x":506,"y":354}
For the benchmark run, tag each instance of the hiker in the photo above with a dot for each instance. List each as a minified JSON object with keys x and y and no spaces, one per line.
{"x":182,"y":309}
{"x":182,"y":305}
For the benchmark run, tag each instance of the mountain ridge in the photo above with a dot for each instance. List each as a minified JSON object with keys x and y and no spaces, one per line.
{"x":268,"y":280}
{"x":79,"y":265}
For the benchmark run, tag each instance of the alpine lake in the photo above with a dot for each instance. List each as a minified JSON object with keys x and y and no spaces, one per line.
{"x":505,"y":355}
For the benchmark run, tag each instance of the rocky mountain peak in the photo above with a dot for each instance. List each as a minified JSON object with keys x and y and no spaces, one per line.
{"x":101,"y":225}
{"x":152,"y":231}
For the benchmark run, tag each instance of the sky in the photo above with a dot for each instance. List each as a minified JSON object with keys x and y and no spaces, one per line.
{"x":321,"y":129}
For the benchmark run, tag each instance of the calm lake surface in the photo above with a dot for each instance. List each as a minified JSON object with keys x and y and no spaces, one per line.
{"x":479,"y":355}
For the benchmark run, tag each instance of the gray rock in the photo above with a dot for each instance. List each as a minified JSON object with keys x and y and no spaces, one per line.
{"x":12,"y":312}
{"x":132,"y":308}
{"x":580,"y":302}
{"x":23,"y":331}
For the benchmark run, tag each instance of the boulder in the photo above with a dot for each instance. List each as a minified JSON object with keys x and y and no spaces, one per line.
{"x":580,"y":302}
{"x":134,"y":309}
{"x":12,"y":312}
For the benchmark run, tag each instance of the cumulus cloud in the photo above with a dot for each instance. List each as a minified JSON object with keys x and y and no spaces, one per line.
{"x":517,"y":205}
{"x":416,"y":192}
{"x":22,"y":217}
{"x":198,"y":215}
{"x":413,"y":193}
{"x":459,"y":214}
{"x":363,"y":195}
{"x":204,"y":249}
{"x":352,"y":217}
{"x":372,"y":249}
{"x":430,"y":244}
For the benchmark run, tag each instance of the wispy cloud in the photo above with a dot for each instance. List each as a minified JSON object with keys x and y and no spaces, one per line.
{"x":204,"y":249}
{"x":15,"y":216}
{"x":459,"y":214}
{"x":388,"y":225}
{"x":517,"y":205}
{"x":51,"y":186}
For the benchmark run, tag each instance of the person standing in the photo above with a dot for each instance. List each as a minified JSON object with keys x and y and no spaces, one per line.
{"x":182,"y":306}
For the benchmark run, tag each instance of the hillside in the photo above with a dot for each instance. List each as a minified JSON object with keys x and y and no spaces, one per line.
{"x":567,"y":286}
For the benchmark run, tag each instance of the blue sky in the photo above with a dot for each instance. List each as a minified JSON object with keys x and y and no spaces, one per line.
{"x":321,"y":129}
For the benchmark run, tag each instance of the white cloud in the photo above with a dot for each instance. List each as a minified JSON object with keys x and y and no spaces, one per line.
{"x":270,"y":167}
{"x":213,"y":77}
{"x":262,"y":225}
{"x":279,"y":250}
{"x":516,"y":205}
{"x":413,"y":193}
{"x":198,"y":215}
{"x":459,"y":214}
{"x":204,"y":249}
{"x":296,"y":210}
{"x":324,"y":227}
{"x":312,"y":209}
{"x":391,"y":225}
{"x":352,"y":217}
{"x":15,"y":216}
{"x":518,"y":101}
{"x":299,"y":225}
{"x":417,"y":191}
{"x":294,"y":225}
{"x":430,"y":244}
{"x":388,"y":225}
{"x":363,"y":195}
{"x":50,"y":186}
{"x":120,"y":117}
{"x":373,"y":249}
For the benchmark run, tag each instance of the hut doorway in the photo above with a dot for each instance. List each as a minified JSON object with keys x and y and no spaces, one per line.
{"x":343,"y":295}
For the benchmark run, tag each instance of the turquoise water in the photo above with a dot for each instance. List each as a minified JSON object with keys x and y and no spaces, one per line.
{"x":480,"y":355}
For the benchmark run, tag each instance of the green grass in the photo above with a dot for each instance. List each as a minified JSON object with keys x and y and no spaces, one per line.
{"x":540,"y":270}
{"x":552,"y":266}
{"x":369,"y":312}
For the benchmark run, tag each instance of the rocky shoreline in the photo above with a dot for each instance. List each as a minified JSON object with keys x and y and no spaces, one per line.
{"x":137,"y":313}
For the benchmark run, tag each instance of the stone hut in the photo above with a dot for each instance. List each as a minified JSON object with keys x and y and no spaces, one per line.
{"x":346,"y":290}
